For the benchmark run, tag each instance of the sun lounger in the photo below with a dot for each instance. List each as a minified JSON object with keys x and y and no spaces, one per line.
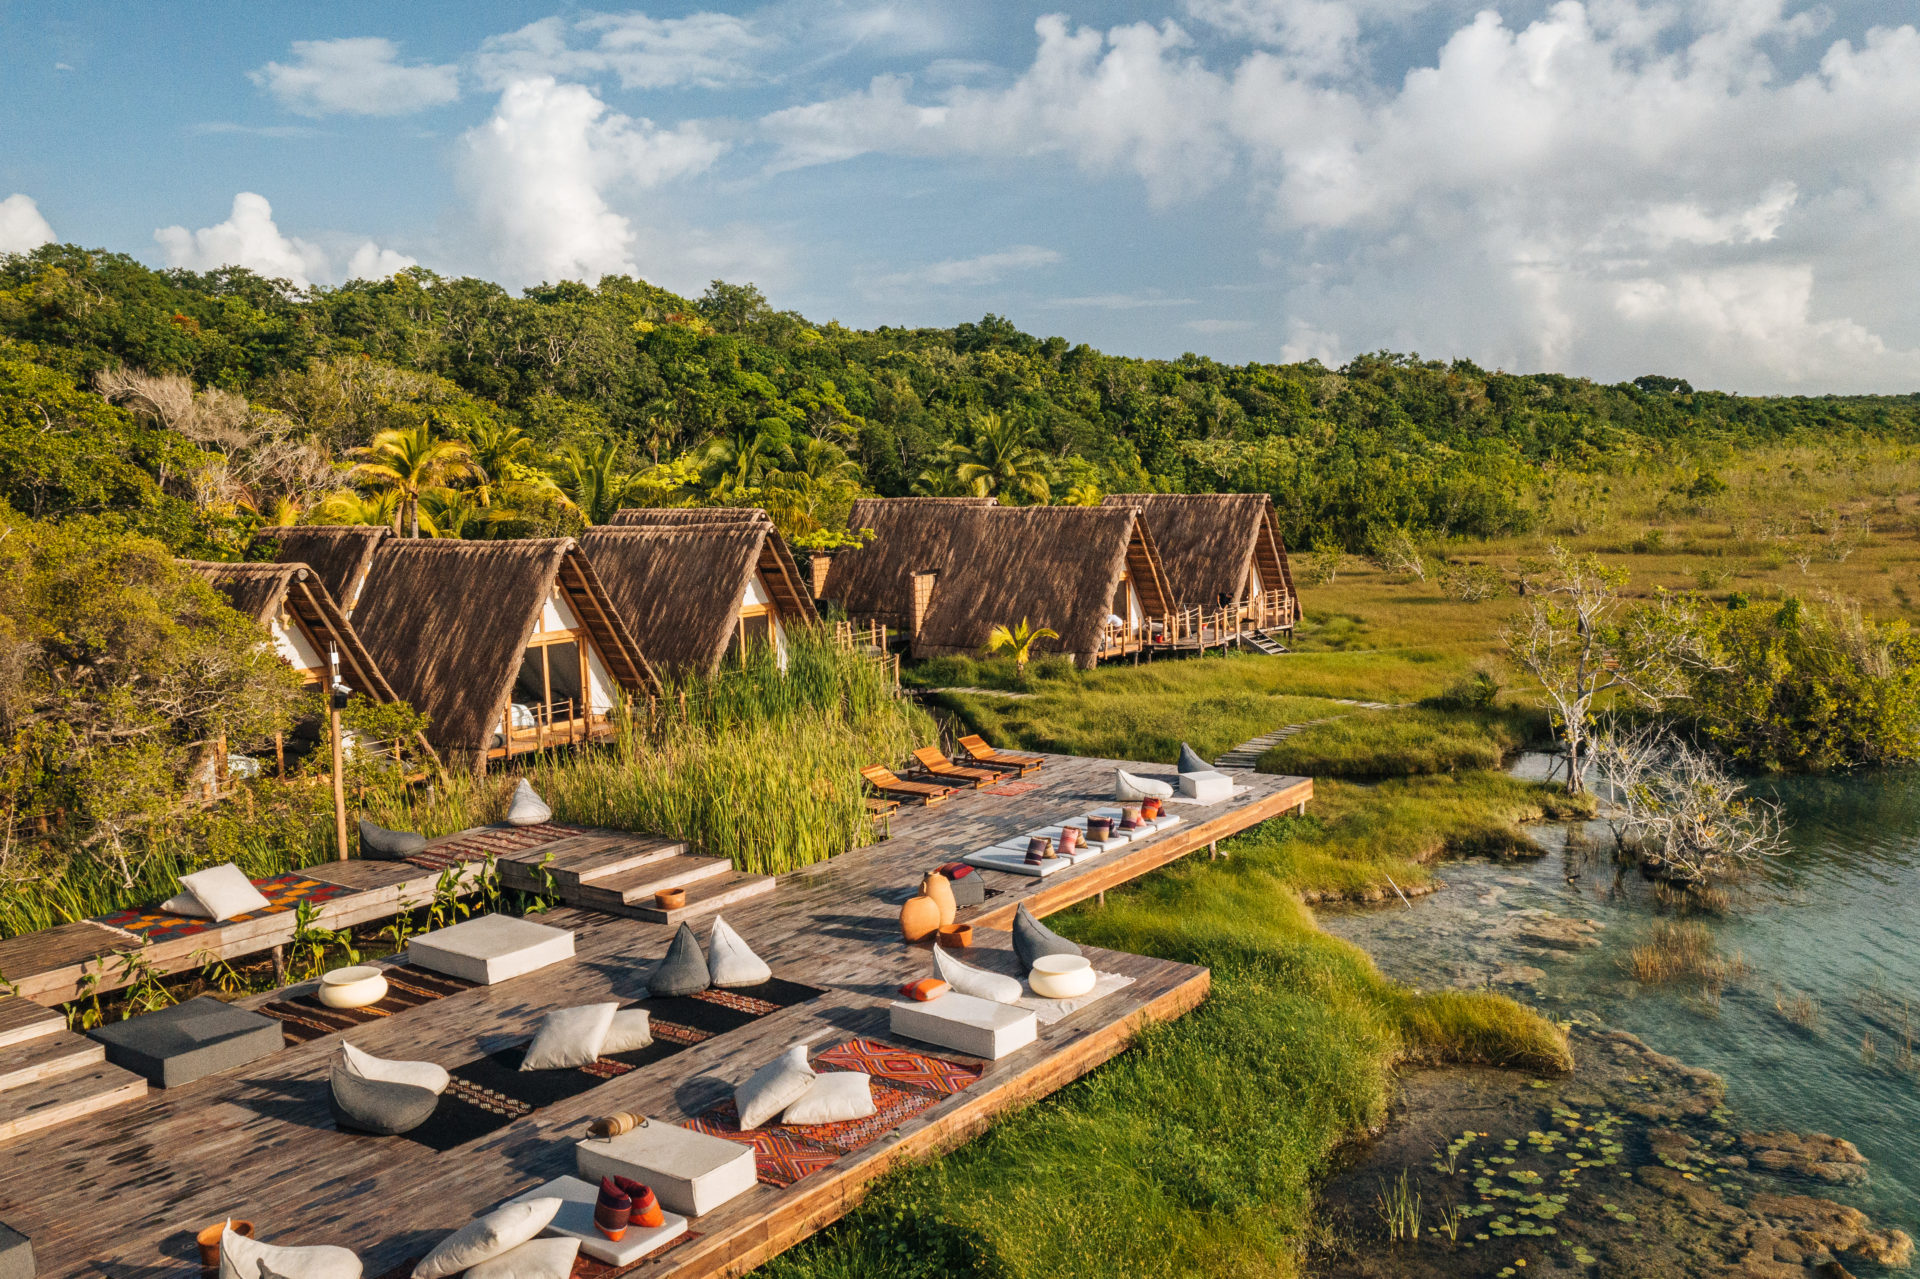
{"x":942,"y":769}
{"x":987,"y":757}
{"x":883,"y":780}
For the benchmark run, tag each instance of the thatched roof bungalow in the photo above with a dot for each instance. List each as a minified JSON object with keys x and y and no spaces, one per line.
{"x":696,"y":592}
{"x":948,"y":573}
{"x":339,"y":554}
{"x":1222,"y":550}
{"x":508,"y":646}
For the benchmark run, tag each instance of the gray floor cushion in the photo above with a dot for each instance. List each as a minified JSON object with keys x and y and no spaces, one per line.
{"x":378,"y":1106}
{"x":1190,"y":761}
{"x":684,"y":970}
{"x":16,"y":1254}
{"x":379,"y":844}
{"x":527,"y":808}
{"x":1032,"y":939}
{"x":178,"y":1045}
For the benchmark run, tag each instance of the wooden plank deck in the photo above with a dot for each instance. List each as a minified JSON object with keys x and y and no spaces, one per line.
{"x":258,"y":1143}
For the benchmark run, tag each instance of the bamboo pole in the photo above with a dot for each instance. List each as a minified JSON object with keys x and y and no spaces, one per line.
{"x":339,"y":781}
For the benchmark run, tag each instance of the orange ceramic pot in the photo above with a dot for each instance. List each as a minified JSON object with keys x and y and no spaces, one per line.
{"x":955,"y":936}
{"x":940,"y":889}
{"x":209,"y":1241}
{"x":919,"y":918}
{"x":670,"y":898}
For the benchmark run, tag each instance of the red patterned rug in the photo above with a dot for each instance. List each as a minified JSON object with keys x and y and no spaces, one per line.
{"x":283,"y":893}
{"x":1010,"y":788}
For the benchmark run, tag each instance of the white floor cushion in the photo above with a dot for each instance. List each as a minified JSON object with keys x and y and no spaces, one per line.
{"x":730,"y":962}
{"x":1015,"y":863}
{"x":534,"y":1259}
{"x":219,"y":892}
{"x":631,"y":1030}
{"x":569,"y":1037}
{"x":502,"y":1230}
{"x":420,"y":1074}
{"x":832,"y":1097}
{"x":245,"y":1258}
{"x":978,"y":982}
{"x":978,"y":1027}
{"x":527,"y":808}
{"x":1208,"y":787}
{"x":1130,"y":788}
{"x":488,"y":949}
{"x":773,"y":1087}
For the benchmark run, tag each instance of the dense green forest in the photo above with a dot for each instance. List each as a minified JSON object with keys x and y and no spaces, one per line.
{"x":236,"y":399}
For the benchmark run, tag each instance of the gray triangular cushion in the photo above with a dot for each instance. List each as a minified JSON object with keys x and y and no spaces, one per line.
{"x":379,"y":844}
{"x":684,"y":970}
{"x":527,"y":808}
{"x":1032,"y":939}
{"x":1190,"y":761}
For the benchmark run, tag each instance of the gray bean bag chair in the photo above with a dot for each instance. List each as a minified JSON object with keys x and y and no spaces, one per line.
{"x":1190,"y":761}
{"x":1032,"y":939}
{"x":684,"y":971}
{"x":378,"y":844}
{"x":378,"y":1106}
{"x":527,"y":808}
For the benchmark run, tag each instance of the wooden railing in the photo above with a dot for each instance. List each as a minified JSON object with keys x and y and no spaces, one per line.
{"x":564,"y":722}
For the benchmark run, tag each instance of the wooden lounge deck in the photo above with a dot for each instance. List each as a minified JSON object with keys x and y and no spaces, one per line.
{"x":119,"y":1194}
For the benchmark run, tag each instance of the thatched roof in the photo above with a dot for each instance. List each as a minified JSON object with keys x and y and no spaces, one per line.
{"x":678,"y":588}
{"x":263,"y":591}
{"x":1208,"y":541}
{"x":339,"y":554}
{"x":1055,"y":566}
{"x":450,"y":619}
{"x":777,"y":565}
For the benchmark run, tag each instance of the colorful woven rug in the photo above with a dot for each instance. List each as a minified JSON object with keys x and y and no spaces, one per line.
{"x":491,"y":1092}
{"x":904,"y":1083}
{"x":283,"y":893}
{"x":306,"y":1018}
{"x":1010,"y":788}
{"x":495,"y":841}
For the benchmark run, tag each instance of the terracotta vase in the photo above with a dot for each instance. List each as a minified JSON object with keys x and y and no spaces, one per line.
{"x":940,"y":889}
{"x":920,"y":917}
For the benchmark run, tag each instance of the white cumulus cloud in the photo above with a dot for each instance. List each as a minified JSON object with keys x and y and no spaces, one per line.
{"x":357,"y":75}
{"x":542,"y":174}
{"x":22,"y":229}
{"x":706,"y":49}
{"x":250,"y":238}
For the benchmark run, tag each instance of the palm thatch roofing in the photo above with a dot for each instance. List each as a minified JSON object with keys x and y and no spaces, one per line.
{"x":678,"y":586}
{"x":264,"y":591}
{"x":452,"y":618}
{"x":777,"y":565}
{"x":1054,"y":566}
{"x":339,"y":554}
{"x":1209,"y":541}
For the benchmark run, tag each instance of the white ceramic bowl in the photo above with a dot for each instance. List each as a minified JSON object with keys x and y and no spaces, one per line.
{"x":1061,"y":976}
{"x":352,"y":987}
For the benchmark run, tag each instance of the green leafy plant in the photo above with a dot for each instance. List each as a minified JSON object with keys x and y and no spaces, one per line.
{"x":1018,"y":641}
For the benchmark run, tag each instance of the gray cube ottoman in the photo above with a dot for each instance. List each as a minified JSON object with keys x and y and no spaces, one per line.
{"x":181,"y":1044}
{"x":16,"y":1254}
{"x":490,"y":948}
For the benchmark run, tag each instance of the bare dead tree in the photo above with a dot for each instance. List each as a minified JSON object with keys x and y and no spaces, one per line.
{"x":1678,"y":809}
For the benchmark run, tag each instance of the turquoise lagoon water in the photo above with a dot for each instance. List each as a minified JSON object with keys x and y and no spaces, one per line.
{"x":1836,"y":920}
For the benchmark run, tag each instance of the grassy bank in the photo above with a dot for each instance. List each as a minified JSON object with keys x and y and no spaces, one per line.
{"x":1405,"y":743}
{"x":1197,"y":1152}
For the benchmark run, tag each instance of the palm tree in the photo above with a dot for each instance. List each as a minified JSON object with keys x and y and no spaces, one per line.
{"x":409,"y":461}
{"x":941,"y":478}
{"x":349,"y":507}
{"x":498,"y":448}
{"x":593,"y":481}
{"x":456,"y":512}
{"x":1001,"y":461}
{"x":1019,"y":640}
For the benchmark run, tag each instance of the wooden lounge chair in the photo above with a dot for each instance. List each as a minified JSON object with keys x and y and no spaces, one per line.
{"x":880,"y":813}
{"x":987,"y":757}
{"x":942,"y":769}
{"x":883,"y":780}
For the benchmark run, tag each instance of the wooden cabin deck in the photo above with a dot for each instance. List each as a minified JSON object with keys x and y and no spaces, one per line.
{"x":119,"y":1194}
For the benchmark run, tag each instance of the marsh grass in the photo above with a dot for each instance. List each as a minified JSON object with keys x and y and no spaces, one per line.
{"x":1798,"y":1007}
{"x":1684,"y":951}
{"x":1404,"y":743}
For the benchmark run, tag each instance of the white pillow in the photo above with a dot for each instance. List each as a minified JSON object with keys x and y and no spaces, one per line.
{"x":221,"y":891}
{"x":244,"y":1258}
{"x":1129,"y":789}
{"x":534,"y":1259}
{"x":630,"y":1030}
{"x":502,"y":1230}
{"x":836,"y":1095}
{"x":527,"y":808}
{"x":773,"y":1087}
{"x":421,"y":1074}
{"x":978,"y":982}
{"x":729,"y":960}
{"x":569,"y":1037}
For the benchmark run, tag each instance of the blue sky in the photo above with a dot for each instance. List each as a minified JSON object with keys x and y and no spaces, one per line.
{"x":1726,"y":190}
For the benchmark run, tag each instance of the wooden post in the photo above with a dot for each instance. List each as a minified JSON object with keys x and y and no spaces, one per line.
{"x":1213,"y":851}
{"x":280,"y":752}
{"x":339,"y":782}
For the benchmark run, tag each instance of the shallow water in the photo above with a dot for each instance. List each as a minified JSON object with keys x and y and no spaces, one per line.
{"x":1837,"y":920}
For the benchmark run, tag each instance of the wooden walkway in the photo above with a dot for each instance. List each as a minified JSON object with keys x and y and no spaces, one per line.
{"x":119,"y":1194}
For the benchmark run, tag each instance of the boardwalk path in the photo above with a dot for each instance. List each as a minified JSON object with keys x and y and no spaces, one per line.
{"x":1248,"y":753}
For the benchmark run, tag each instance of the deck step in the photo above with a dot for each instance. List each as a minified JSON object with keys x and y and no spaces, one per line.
{"x":22,"y":1019}
{"x":47,"y":1057}
{"x":585,"y":861}
{"x":65,"y":1098}
{"x":706,"y":896}
{"x":629,"y":887}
